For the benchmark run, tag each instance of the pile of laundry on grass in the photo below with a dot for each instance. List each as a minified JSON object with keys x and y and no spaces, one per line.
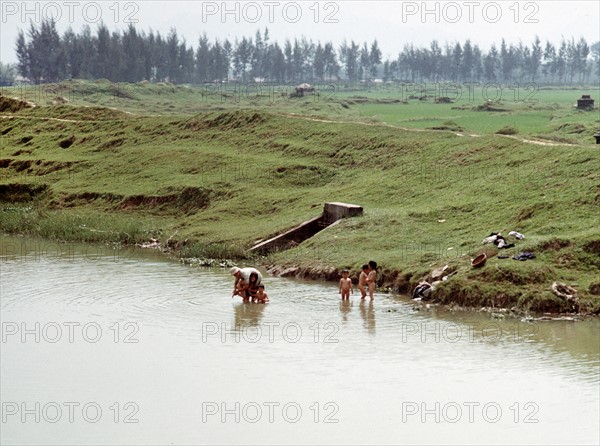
{"x":501,"y":243}
{"x":424,"y":290}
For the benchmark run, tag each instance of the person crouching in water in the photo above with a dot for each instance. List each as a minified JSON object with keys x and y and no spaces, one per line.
{"x":362,"y":281}
{"x":241,"y":286}
{"x":243,"y":282}
{"x":247,"y":289}
{"x":261,"y":296}
{"x":253,"y":285}
{"x":346,"y":285}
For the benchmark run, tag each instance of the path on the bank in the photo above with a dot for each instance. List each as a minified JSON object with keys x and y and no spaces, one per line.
{"x":39,"y":117}
{"x":408,"y":129}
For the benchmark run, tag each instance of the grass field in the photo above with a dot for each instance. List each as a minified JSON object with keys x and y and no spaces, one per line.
{"x":214,"y":173}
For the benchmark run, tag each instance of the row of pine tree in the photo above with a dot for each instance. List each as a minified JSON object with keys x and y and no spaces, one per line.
{"x":132,"y":55}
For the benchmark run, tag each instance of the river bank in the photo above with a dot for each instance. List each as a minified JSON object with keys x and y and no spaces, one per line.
{"x":212,"y":185}
{"x":521,"y":292}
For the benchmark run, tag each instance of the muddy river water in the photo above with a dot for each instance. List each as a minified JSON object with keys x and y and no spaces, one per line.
{"x":103,"y":346}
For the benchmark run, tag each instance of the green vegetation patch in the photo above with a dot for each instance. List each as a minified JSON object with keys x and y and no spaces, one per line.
{"x":213,"y":182}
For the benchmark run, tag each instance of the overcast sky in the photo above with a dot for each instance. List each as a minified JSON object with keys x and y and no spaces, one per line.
{"x":393,"y":23}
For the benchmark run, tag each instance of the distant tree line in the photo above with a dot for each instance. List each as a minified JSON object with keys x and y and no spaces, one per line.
{"x":132,"y":56}
{"x":8,"y":74}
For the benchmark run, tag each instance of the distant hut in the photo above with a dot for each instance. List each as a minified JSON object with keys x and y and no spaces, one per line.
{"x":585,"y":103}
{"x":304,"y":88}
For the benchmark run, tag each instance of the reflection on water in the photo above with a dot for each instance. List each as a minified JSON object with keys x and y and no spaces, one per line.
{"x":367,"y":313}
{"x":305,"y":347}
{"x":247,"y":314}
{"x":345,"y":309}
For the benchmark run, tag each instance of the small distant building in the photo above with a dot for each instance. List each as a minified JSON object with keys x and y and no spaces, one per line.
{"x":304,"y":88}
{"x":585,"y":103}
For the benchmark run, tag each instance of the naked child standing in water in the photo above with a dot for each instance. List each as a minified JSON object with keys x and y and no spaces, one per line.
{"x":372,"y":278}
{"x":346,"y":285}
{"x":362,"y":281}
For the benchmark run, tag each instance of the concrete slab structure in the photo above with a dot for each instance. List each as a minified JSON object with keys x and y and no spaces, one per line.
{"x":332,"y":212}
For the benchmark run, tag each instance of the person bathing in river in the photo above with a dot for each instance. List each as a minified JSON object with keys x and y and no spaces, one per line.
{"x":241,"y":289}
{"x":243,"y":283}
{"x":261,"y":296}
{"x":247,"y":289}
{"x":253,"y":285}
{"x":346,"y":285}
{"x":362,"y":281}
{"x":372,"y":278}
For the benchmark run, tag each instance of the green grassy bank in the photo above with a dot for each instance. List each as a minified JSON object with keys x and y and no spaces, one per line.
{"x":209,"y":178}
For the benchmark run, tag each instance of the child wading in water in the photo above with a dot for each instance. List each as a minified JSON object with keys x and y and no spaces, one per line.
{"x":253,"y":286}
{"x":372,"y":278}
{"x":346,"y":285}
{"x":261,"y":296}
{"x":362,"y":281}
